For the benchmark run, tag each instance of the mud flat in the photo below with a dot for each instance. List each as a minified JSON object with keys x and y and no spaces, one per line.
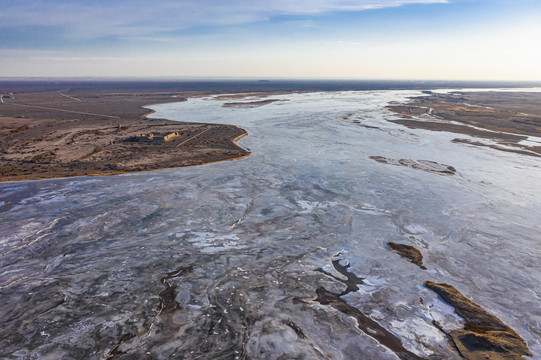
{"x":55,"y":133}
{"x":503,"y":118}
{"x":423,"y":165}
{"x":251,"y":103}
{"x":484,"y":336}
{"x":408,"y":252}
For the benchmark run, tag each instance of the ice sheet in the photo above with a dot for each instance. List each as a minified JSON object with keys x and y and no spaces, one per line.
{"x":85,"y":261}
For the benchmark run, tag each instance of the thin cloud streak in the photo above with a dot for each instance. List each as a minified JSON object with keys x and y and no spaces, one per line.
{"x":423,"y":39}
{"x":137,"y":18}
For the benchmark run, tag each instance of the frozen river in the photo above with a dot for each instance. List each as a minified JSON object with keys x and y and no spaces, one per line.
{"x":224,"y":261}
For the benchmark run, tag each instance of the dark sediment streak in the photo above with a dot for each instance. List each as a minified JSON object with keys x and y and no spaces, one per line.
{"x":167,"y":296}
{"x":367,"y":325}
{"x":168,"y":305}
{"x":296,"y":328}
{"x":351,"y":281}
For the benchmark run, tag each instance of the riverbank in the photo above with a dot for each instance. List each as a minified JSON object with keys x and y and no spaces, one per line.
{"x":504,"y":121}
{"x":54,"y":133}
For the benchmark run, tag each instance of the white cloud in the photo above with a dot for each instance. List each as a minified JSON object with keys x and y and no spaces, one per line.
{"x":137,"y":17}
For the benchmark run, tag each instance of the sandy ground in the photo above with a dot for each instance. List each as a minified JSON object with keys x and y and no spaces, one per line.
{"x":503,"y":118}
{"x":60,"y":133}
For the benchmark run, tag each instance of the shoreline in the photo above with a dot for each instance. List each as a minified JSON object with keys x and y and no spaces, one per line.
{"x":52,"y":145}
{"x":497,"y":120}
{"x":93,"y":136}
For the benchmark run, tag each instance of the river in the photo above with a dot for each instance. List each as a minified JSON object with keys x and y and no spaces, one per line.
{"x":224,"y":261}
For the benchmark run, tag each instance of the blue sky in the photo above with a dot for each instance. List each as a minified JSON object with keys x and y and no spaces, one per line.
{"x":362,"y":39}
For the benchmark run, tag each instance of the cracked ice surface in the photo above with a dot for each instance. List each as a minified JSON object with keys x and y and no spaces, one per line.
{"x":83,"y":260}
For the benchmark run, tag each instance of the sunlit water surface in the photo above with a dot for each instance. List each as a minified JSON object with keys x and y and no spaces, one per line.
{"x":219,"y":261}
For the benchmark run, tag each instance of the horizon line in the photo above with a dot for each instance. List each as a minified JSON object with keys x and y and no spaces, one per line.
{"x":249,"y":78}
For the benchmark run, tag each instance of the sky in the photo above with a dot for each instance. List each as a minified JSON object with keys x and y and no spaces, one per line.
{"x":346,"y":39}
